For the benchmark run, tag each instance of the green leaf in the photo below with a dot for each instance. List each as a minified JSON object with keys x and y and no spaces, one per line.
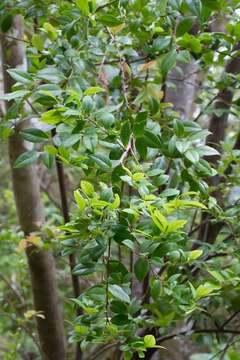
{"x":182,"y":146}
{"x":178,"y":127}
{"x":87,"y":104}
{"x":206,"y":290}
{"x":102,"y":160}
{"x":26,"y":158}
{"x":216,"y":275}
{"x":83,"y":6}
{"x":119,"y":293}
{"x":107,"y":119}
{"x":149,"y":341}
{"x":51,"y":74}
{"x":47,"y":159}
{"x":129,"y":244}
{"x":160,"y":220}
{"x":140,"y":123}
{"x":94,"y":90}
{"x":162,"y":43}
{"x":138,"y":176}
{"x":155,"y":289}
{"x":162,"y":6}
{"x":71,"y":140}
{"x":52,"y":117}
{"x":233,"y":354}
{"x":34,"y":135}
{"x":190,"y":42}
{"x":50,"y":149}
{"x":192,"y":203}
{"x":141,"y":268}
{"x":169,"y":192}
{"x":6,"y":22}
{"x":175,"y":225}
{"x":116,"y":203}
{"x":14,"y":95}
{"x":109,"y":20}
{"x":169,"y":61}
{"x":207,"y":151}
{"x":214,"y":5}
{"x":81,"y":202}
{"x":87,"y":188}
{"x":194,"y":255}
{"x":38,"y":42}
{"x":118,"y":307}
{"x":125,"y":132}
{"x":184,"y":25}
{"x":195,"y":6}
{"x":120,"y":319}
{"x":152,"y":140}
{"x":84,"y":269}
{"x":20,"y":76}
{"x":192,"y":155}
{"x":50,"y":30}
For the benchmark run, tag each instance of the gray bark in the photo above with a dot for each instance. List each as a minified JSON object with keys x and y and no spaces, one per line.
{"x":30,"y":212}
{"x":181,"y":89}
{"x":217,"y":126}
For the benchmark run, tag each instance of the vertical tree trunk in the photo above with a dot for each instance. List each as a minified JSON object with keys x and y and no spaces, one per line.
{"x":181,"y":89}
{"x":30,"y":212}
{"x":72,"y":258}
{"x":217,"y":126}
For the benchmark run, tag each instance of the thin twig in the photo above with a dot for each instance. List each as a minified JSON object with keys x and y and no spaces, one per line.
{"x":116,"y":61}
{"x":14,"y":291}
{"x":14,"y":38}
{"x":230,"y":319}
{"x":197,"y":331}
{"x":102,"y":350}
{"x":107,"y":279}
{"x":126,"y":152}
{"x":226,"y":347}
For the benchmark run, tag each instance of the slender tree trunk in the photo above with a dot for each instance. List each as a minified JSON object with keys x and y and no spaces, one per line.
{"x":181,"y":89}
{"x":217,"y":126}
{"x":72,"y":258}
{"x":30,"y":212}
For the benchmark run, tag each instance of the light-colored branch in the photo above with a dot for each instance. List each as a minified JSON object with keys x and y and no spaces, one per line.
{"x":13,"y":38}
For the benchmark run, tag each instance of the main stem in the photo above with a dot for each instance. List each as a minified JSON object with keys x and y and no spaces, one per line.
{"x":66,"y":217}
{"x":26,"y":190}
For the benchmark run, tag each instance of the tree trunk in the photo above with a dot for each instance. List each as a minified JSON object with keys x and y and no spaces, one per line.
{"x":217,"y":126}
{"x":30,"y":212}
{"x":181,"y":89}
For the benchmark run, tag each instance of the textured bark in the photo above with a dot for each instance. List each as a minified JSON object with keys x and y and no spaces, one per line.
{"x":217,"y":126}
{"x":181,"y":89}
{"x":30,"y":212}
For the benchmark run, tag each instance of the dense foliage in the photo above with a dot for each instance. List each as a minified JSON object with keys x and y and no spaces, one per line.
{"x":149,"y":186}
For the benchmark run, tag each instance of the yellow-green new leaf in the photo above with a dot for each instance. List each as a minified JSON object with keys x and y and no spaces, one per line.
{"x":81,"y":202}
{"x":195,"y":254}
{"x":83,"y":6}
{"x":93,"y":90}
{"x":38,"y":42}
{"x":175,"y":225}
{"x":87,"y":188}
{"x":116,"y":203}
{"x":149,"y":341}
{"x":206,"y":290}
{"x":52,"y":117}
{"x":160,"y":221}
{"x":51,"y":31}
